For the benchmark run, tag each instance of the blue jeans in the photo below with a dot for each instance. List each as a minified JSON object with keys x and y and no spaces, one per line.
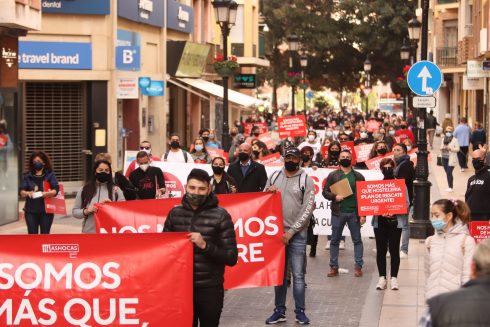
{"x":406,"y":233}
{"x":338,"y":224}
{"x":449,"y":171}
{"x":296,"y":252}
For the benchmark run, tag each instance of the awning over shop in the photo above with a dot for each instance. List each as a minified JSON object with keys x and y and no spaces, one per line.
{"x":217,"y":91}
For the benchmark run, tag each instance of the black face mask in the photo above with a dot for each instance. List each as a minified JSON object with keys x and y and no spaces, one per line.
{"x":196,"y":199}
{"x":103,"y":177}
{"x":387,"y":172}
{"x":175,"y":144}
{"x":205,"y":138}
{"x":382,"y":151}
{"x":478,"y":164}
{"x":233,"y":134}
{"x":256,"y":153}
{"x":242,"y":156}
{"x":403,"y":126}
{"x":345,"y":162}
{"x":218,"y":170}
{"x":334,"y":154}
{"x":305,"y":158}
{"x":256,"y":134}
{"x":291,"y":166}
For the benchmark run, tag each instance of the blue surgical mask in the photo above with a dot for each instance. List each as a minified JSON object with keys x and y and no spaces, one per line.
{"x":198,"y":148}
{"x":438,"y":224}
{"x":449,"y":134}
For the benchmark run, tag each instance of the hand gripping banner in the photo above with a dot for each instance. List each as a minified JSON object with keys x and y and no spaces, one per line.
{"x":96,"y":280}
{"x":258,"y":226}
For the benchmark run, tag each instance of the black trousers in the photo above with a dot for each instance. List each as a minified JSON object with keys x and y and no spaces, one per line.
{"x":38,"y":220}
{"x":462,"y":157}
{"x":387,"y":234}
{"x":208,"y":304}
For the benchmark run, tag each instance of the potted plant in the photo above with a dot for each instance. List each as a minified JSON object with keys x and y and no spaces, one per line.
{"x":294,"y":78}
{"x":225,"y":67}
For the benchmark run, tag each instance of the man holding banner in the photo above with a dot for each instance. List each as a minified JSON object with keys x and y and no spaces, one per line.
{"x":344,"y":211}
{"x":211,"y":230}
{"x":298,"y":201}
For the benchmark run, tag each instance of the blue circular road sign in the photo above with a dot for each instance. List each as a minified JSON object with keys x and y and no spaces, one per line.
{"x":424,"y":78}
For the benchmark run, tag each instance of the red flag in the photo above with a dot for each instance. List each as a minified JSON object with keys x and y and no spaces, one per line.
{"x":96,"y":280}
{"x":258,"y":226}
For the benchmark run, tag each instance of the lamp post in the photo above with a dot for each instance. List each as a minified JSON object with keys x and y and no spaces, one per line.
{"x":225,"y":13}
{"x":293,"y":42}
{"x":304,"y":63}
{"x":420,"y":226}
{"x":414,"y":28}
{"x":367,"y":85}
{"x":405,"y":51}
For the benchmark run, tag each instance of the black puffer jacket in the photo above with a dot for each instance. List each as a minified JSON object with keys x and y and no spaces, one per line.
{"x":216,"y":227}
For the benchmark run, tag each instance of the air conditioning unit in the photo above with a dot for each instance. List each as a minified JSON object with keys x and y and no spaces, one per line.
{"x":483,"y":40}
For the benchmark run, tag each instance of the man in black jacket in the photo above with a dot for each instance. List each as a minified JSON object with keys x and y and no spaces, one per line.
{"x":249,"y":175}
{"x":467,"y":306}
{"x":478,"y":188}
{"x":211,"y":230}
{"x":147,"y":179}
{"x":404,"y":170}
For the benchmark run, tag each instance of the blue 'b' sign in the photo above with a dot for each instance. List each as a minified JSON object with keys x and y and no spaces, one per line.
{"x":424,"y":78}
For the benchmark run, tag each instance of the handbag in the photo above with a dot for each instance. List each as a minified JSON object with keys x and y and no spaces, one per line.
{"x":439,"y":160}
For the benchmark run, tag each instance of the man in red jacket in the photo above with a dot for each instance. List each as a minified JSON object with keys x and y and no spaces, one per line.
{"x":404,"y":133}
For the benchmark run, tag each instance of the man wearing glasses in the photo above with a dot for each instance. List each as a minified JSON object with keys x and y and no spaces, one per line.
{"x":144,"y":146}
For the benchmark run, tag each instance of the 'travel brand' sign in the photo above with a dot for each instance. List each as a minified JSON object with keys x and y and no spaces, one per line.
{"x":55,"y":55}
{"x":87,"y":7}
{"x":143,"y":11}
{"x":180,"y":17}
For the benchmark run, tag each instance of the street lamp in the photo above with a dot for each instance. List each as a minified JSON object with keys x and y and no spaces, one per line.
{"x":405,"y":52}
{"x":304,"y":63}
{"x":225,"y":13}
{"x":414,"y":27}
{"x":367,"y":86}
{"x":293,"y":42}
{"x":420,"y":226}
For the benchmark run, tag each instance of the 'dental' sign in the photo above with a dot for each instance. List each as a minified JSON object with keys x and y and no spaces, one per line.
{"x":55,"y":55}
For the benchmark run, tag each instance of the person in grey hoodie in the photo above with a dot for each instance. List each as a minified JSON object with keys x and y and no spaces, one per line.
{"x":96,"y":191}
{"x":298,"y":202}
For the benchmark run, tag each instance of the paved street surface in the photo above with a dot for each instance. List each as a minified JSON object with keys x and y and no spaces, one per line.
{"x":341,"y":301}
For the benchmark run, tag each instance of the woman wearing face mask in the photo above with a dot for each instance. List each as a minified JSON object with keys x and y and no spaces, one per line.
{"x":259,"y":150}
{"x":409,"y":145}
{"x":390,"y":137}
{"x":379,"y":149}
{"x":212,"y":142}
{"x":199,"y":153}
{"x":388,"y":232}
{"x":450,"y":249}
{"x":221,"y":182}
{"x":449,"y":151}
{"x":33,"y":189}
{"x":99,"y":189}
{"x":364,"y":137}
{"x":332,"y":159}
{"x":311,"y":141}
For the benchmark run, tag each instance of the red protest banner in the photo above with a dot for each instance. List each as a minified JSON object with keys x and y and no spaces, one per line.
{"x":386,"y":197}
{"x":248,"y":127}
{"x":363,"y":151}
{"x":373,"y":164}
{"x":349,"y":145}
{"x":271,"y":160}
{"x":96,"y":280}
{"x":214,"y":153}
{"x":258,"y":225}
{"x":291,"y":126}
{"x":268,"y":141}
{"x":56,"y":205}
{"x":480,"y":230}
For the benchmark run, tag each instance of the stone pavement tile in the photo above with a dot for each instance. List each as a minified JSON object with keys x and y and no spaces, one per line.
{"x":399,"y":316}
{"x":408,"y":278}
{"x":406,"y":295}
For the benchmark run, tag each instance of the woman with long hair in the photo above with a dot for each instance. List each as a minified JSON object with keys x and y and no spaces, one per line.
{"x":221,"y":182}
{"x":259,"y":150}
{"x":380,"y":148}
{"x":199,"y":152}
{"x":449,"y":151}
{"x":388,"y":232}
{"x":101,"y":189}
{"x":450,"y":249}
{"x":39,"y":183}
{"x":333,"y":153}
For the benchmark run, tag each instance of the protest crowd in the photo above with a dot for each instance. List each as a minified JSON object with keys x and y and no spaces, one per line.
{"x":369,"y":161}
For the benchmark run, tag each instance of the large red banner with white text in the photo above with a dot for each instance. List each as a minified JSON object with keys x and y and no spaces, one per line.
{"x":386,"y":197}
{"x":258,"y":226}
{"x":291,"y":126}
{"x":480,"y":230}
{"x":96,"y":280}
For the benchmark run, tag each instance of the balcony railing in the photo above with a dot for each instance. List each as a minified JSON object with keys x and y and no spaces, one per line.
{"x":447,"y":56}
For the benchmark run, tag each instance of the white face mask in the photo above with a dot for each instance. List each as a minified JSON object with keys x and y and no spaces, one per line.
{"x":329,"y":134}
{"x":364,"y":135}
{"x":347,"y":132}
{"x":409,"y":148}
{"x":311,"y":138}
{"x":144,"y":167}
{"x":199,"y":147}
{"x":147,"y":151}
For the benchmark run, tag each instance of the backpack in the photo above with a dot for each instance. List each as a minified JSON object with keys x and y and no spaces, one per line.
{"x":301,"y":181}
{"x":184,"y":152}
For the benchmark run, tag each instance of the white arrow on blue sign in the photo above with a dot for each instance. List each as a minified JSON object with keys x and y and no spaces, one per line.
{"x":424,"y":78}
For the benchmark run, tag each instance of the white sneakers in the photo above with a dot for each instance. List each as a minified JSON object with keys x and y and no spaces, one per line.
{"x":382,"y":283}
{"x":462,"y":170}
{"x":342,"y":245}
{"x":327,"y":247}
{"x":449,"y":190}
{"x":394,"y":283}
{"x":403,"y":255}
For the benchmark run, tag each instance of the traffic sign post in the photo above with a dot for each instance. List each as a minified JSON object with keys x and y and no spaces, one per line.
{"x":424,"y":78}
